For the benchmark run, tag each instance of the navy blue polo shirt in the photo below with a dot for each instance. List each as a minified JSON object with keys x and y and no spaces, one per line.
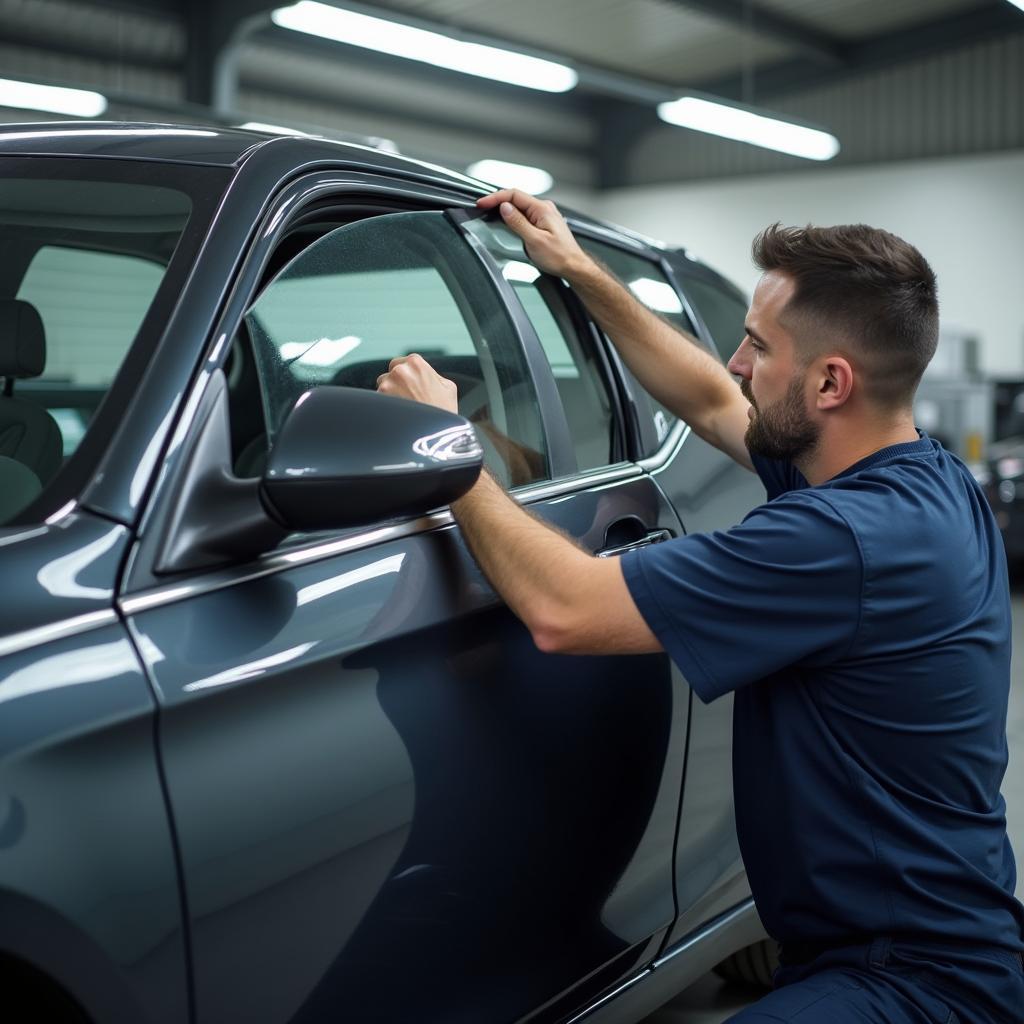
{"x":864,"y":625}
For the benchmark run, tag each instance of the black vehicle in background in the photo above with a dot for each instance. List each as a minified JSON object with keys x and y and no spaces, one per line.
{"x":271,"y":748}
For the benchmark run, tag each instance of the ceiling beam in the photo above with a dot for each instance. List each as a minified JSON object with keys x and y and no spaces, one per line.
{"x":811,"y":43}
{"x":990,"y":19}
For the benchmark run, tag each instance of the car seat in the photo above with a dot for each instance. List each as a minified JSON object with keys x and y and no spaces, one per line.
{"x":18,"y":486}
{"x":28,"y":433}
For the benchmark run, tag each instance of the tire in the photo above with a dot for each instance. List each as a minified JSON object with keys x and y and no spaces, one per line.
{"x":751,"y":967}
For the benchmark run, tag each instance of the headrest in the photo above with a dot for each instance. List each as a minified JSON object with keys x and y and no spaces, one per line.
{"x":22,"y":341}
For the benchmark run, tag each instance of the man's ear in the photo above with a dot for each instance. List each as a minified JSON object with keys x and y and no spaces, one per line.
{"x":835,"y":382}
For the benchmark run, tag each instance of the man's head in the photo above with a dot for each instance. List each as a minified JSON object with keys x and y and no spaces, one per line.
{"x":840,"y":312}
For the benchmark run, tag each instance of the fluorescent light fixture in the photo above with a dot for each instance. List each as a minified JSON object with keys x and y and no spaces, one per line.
{"x":747,"y":126}
{"x":323,"y":352}
{"x":1018,"y":3}
{"x":516,"y":270}
{"x":273,"y":129}
{"x":499,"y":172}
{"x":57,"y":100}
{"x":656,"y":295}
{"x":426,"y":46}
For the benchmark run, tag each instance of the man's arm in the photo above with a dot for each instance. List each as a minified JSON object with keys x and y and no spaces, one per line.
{"x":670,"y":364}
{"x":571,"y":602}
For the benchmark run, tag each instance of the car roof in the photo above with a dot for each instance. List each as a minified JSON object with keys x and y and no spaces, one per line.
{"x":205,"y":144}
{"x":228,"y":147}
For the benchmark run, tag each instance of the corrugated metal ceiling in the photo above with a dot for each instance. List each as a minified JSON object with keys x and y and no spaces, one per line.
{"x":860,"y":19}
{"x":665,"y":39}
{"x":894,"y":78}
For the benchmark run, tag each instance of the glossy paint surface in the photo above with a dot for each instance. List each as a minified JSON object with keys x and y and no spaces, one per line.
{"x":65,"y":569}
{"x":88,"y":887}
{"x":709,"y":491}
{"x":373,"y":770}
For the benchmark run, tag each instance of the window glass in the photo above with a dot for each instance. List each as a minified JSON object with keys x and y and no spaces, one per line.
{"x":91,"y":304}
{"x":578,"y":378}
{"x":646,"y":281}
{"x":82,"y":262}
{"x":723,"y":312}
{"x":384,"y":287}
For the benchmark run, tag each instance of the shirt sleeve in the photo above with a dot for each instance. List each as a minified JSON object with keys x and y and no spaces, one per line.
{"x":781,"y":589}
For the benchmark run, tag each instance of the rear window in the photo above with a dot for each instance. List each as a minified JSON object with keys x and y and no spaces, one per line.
{"x":80,"y":264}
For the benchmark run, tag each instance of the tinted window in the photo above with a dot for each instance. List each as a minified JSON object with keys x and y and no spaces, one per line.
{"x":81,"y":264}
{"x":578,"y":378}
{"x":388,"y":286}
{"x":91,"y":304}
{"x":723,"y":312}
{"x":646,"y":281}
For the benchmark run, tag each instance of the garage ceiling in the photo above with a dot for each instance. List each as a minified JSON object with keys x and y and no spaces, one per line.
{"x":910,"y":79}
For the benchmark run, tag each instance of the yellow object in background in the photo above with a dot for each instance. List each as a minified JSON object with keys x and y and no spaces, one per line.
{"x":972,"y":447}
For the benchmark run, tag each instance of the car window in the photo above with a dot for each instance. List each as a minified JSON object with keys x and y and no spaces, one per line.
{"x":723,"y":312}
{"x":81,"y":263}
{"x":388,"y":286}
{"x":91,"y":304}
{"x":578,"y":378}
{"x":646,"y":281}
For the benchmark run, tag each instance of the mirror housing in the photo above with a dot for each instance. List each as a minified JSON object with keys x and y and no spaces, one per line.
{"x":349,"y":457}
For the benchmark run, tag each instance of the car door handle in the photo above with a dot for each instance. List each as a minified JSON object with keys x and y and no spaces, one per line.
{"x":653,"y":537}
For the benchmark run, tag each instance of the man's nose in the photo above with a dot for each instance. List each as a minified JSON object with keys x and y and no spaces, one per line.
{"x":740,"y":364}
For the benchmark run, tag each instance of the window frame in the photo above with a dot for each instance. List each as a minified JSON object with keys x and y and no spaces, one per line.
{"x":311,"y":198}
{"x":682,"y":268}
{"x":204,"y":186}
{"x":588,"y":339}
{"x":645,"y":448}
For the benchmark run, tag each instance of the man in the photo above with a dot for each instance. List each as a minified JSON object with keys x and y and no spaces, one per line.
{"x":861,"y":616}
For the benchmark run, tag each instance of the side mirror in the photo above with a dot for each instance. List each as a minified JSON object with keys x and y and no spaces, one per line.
{"x":350,"y":457}
{"x":344,"y":457}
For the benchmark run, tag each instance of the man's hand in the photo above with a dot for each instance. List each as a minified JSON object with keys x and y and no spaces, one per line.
{"x":413,"y":377}
{"x":546,"y":236}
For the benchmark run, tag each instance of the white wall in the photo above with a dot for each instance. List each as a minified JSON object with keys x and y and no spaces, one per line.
{"x":966,"y":215}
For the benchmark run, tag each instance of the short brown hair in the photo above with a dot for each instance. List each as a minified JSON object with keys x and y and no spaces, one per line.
{"x":864,"y":290}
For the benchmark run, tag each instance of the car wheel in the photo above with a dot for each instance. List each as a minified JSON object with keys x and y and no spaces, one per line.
{"x":752,"y":966}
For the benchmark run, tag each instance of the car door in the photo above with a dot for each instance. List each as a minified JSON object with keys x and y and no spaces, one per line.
{"x":90,"y":916}
{"x":709,"y":491}
{"x":391,"y":806}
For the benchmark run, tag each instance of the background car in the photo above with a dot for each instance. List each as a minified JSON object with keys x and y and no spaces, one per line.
{"x":272,"y":748}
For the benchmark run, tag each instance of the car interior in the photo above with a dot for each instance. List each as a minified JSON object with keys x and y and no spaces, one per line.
{"x":79,"y":264}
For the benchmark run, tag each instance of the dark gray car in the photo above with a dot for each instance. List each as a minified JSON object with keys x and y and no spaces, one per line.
{"x":272,"y":749}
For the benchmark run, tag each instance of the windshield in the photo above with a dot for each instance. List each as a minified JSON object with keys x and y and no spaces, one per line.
{"x":84,"y":249}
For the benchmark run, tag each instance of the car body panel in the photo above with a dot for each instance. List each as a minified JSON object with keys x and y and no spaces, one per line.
{"x":370,"y":764}
{"x":88,"y":883}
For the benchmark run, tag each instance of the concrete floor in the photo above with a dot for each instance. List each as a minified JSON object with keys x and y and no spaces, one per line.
{"x":711,"y":1001}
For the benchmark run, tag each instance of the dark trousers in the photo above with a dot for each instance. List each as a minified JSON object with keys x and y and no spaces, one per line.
{"x":894,"y":982}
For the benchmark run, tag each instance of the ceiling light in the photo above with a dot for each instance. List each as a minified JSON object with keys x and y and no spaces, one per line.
{"x":656,"y":295}
{"x":748,"y":126}
{"x":1018,"y":3}
{"x":426,"y":46}
{"x":505,"y":175}
{"x":322,"y":352}
{"x":515,"y":270}
{"x":57,"y":100}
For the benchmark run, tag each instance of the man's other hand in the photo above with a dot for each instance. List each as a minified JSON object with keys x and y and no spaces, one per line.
{"x":546,"y":236}
{"x":413,"y":377}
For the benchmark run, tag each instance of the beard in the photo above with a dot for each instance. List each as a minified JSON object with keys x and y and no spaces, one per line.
{"x":781,"y":431}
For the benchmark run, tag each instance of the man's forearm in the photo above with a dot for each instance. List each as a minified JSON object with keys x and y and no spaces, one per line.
{"x":571,"y":602}
{"x":670,"y":364}
{"x":534,"y":568}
